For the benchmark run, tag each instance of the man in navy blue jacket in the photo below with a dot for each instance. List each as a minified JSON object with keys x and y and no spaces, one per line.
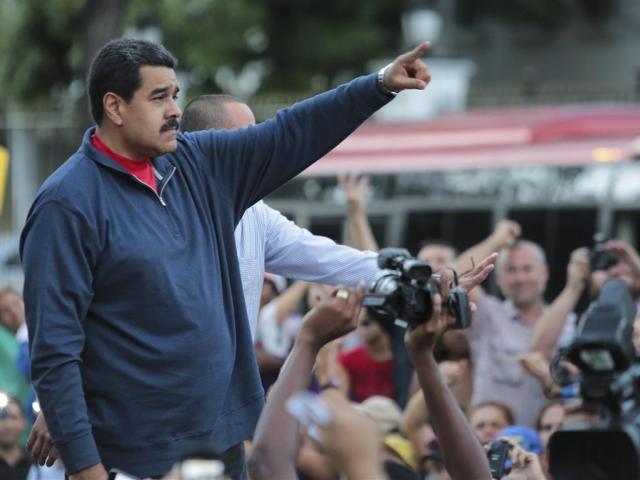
{"x":140,"y":344}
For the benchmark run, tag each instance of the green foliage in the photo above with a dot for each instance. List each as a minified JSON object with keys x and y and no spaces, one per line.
{"x":203,"y":34}
{"x":323,"y":39}
{"x":294,"y":45}
{"x":294,"y":42}
{"x":37,"y":47}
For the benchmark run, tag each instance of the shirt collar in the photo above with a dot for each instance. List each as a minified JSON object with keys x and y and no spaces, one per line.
{"x":162,"y":164}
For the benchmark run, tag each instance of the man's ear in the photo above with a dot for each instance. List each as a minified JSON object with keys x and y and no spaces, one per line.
{"x":112,"y":105}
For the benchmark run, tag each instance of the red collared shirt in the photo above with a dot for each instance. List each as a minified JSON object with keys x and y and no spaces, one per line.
{"x":141,"y":169}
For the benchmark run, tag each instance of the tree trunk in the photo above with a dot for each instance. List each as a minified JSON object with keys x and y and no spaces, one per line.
{"x":102,"y":22}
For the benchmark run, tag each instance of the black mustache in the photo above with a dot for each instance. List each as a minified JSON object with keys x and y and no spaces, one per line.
{"x":172,"y":124}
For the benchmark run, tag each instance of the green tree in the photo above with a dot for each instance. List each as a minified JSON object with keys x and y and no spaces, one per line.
{"x":282,"y":46}
{"x":45,"y":46}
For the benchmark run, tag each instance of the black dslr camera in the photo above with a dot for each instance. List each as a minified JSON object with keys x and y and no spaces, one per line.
{"x":404,"y":291}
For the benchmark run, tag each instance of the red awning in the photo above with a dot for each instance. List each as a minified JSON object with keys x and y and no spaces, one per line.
{"x":566,"y":135}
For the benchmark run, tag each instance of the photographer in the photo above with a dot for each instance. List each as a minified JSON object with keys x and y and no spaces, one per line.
{"x":463,"y":456}
{"x":275,"y":444}
{"x":524,"y":465}
{"x":14,"y":461}
{"x":579,"y":277}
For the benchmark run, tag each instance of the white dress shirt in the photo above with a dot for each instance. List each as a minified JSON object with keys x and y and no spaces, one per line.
{"x":267,"y":241}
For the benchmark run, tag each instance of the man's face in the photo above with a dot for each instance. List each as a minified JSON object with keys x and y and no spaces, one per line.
{"x":487,"y":422}
{"x":522,"y":277}
{"x":12,"y":424}
{"x":11,"y":311}
{"x":550,"y":422}
{"x":149,"y":122}
{"x":438,"y":256}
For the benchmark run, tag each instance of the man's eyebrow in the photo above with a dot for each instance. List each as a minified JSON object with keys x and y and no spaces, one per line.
{"x":162,"y":89}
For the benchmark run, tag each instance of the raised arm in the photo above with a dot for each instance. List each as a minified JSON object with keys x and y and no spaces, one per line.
{"x":276,"y":442}
{"x":414,"y":421}
{"x":59,"y":239}
{"x":463,"y":455}
{"x":250,"y":163}
{"x":505,"y":233}
{"x":288,"y":301}
{"x":549,"y":328}
{"x":358,"y":226}
{"x":293,"y":252}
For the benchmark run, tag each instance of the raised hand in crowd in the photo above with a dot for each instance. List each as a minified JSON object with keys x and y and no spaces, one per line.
{"x":578,"y":270}
{"x":351,"y":439}
{"x":356,"y":189}
{"x":504,"y":235}
{"x":549,"y":328}
{"x":358,"y":228}
{"x":625,"y":253}
{"x":463,"y":455}
{"x":275,"y":445}
{"x":474,"y":277}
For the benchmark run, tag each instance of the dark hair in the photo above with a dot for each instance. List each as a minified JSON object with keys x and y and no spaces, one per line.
{"x":506,"y":411}
{"x":544,"y":409}
{"x":11,"y":400}
{"x":207,"y":111}
{"x":116,"y":68}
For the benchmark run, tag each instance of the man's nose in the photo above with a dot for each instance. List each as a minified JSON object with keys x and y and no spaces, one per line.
{"x":174,"y":111}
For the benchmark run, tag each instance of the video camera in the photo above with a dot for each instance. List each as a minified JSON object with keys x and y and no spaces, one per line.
{"x":609,"y":446}
{"x":404,"y":291}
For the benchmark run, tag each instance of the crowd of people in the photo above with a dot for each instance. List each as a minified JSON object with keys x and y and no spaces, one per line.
{"x":164,"y":300}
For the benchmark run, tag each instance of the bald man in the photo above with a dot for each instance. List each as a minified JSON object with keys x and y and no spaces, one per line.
{"x":265,"y":239}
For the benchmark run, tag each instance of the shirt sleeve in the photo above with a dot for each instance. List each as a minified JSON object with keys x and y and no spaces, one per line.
{"x":251,"y":162}
{"x":58,"y":264}
{"x":293,"y":252}
{"x":481,"y":319}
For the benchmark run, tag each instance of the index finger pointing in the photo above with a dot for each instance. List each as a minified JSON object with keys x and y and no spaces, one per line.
{"x":415,"y":54}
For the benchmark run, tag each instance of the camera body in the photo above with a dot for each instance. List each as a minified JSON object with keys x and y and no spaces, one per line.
{"x":599,"y":258}
{"x":498,"y":455}
{"x":405,"y":290}
{"x":609,"y":443}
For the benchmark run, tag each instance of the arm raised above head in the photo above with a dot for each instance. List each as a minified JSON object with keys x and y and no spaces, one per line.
{"x":252,"y":162}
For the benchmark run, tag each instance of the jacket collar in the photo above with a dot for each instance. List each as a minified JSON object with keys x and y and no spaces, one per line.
{"x":161,"y":164}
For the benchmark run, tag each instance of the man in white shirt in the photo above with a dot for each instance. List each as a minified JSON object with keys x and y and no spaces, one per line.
{"x":265,"y":239}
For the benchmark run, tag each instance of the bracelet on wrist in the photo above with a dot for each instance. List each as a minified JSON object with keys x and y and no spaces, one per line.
{"x":381,"y":84}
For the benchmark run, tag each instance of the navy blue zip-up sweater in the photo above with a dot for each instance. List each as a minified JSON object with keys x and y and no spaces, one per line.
{"x":139,"y":339}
